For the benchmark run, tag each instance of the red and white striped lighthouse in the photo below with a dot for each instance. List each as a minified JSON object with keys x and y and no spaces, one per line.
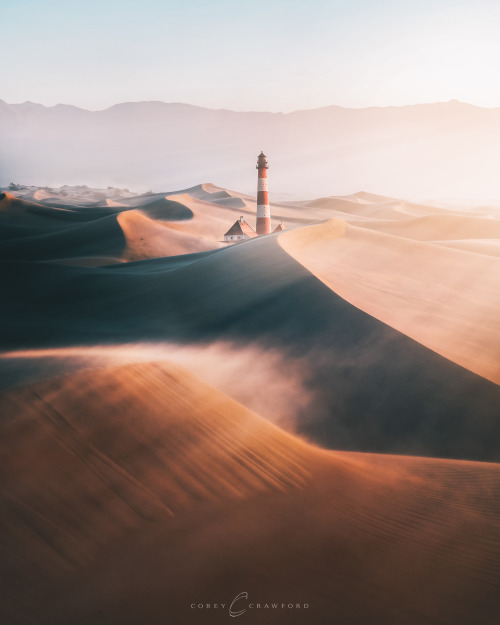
{"x":263,"y":210}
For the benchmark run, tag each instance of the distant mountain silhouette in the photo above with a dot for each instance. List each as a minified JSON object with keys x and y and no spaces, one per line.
{"x":445,"y":149}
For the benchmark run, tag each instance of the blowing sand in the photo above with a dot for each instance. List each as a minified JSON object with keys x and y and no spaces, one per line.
{"x":134,"y":492}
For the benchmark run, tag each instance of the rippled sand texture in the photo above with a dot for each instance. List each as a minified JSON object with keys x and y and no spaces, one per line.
{"x":133,"y":491}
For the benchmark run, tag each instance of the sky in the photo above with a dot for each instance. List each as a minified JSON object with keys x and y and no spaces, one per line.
{"x":274,"y":55}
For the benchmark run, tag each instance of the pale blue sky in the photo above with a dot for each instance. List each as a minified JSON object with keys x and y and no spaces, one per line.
{"x":279,"y":55}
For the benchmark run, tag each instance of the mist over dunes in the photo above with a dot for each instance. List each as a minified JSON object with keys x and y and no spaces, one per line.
{"x":419,"y":151}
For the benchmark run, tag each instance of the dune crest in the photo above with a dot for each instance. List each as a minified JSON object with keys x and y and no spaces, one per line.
{"x":5,"y":200}
{"x":446,"y":299}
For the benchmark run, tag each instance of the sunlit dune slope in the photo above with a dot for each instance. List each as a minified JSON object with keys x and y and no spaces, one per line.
{"x":445,"y":299}
{"x":436,"y":227}
{"x":147,"y":238}
{"x":366,"y":206}
{"x":130,"y":493}
{"x":488,"y":247}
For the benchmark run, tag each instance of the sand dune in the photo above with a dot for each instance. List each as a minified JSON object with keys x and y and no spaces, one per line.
{"x":445,"y":299}
{"x":42,"y":232}
{"x":166,"y":209}
{"x":133,"y":492}
{"x":131,"y":489}
{"x":209,"y":192}
{"x":373,"y":388}
{"x":100,"y":237}
{"x":383,"y":210}
{"x":113,"y":203}
{"x":440,"y":227}
{"x":48,"y":217}
{"x":13,"y":207}
{"x":207,"y":211}
{"x":199,"y":216}
{"x":72,"y":195}
{"x":146,"y":238}
{"x":140,"y":443}
{"x":490,"y":247}
{"x":42,"y":194}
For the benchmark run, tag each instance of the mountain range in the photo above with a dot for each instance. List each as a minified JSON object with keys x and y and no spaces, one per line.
{"x":423,"y":151}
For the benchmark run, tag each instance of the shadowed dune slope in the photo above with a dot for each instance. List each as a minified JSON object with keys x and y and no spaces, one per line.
{"x":129,"y":493}
{"x":21,"y":218}
{"x":19,"y":209}
{"x":103,"y":236}
{"x":374,"y":388}
{"x":167,"y":210}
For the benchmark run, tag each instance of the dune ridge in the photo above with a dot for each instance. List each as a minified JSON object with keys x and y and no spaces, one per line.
{"x":443,"y":298}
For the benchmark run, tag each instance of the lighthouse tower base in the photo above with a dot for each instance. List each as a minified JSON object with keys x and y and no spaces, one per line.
{"x":263,"y":225}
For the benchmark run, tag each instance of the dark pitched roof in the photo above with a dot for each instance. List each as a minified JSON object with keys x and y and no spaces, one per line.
{"x":240,"y":227}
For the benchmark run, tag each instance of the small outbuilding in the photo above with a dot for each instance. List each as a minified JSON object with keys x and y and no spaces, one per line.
{"x":280,"y":227}
{"x":239,"y":231}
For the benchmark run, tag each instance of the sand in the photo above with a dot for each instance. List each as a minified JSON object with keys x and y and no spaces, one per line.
{"x":146,"y":238}
{"x":147,"y":479}
{"x":103,"y":237}
{"x":131,"y":492}
{"x":373,"y":388}
{"x":444,"y":298}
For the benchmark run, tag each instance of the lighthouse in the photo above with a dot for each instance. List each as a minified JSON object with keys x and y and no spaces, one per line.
{"x":241,"y":230}
{"x":263,"y":211}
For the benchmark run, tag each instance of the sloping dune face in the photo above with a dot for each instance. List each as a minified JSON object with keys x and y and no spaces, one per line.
{"x":87,"y":457}
{"x":372,"y":388}
{"x":147,"y":238}
{"x":108,"y":233}
{"x":131,"y":494}
{"x":446,"y":299}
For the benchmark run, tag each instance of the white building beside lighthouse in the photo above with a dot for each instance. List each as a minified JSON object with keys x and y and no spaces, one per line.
{"x":239,"y":231}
